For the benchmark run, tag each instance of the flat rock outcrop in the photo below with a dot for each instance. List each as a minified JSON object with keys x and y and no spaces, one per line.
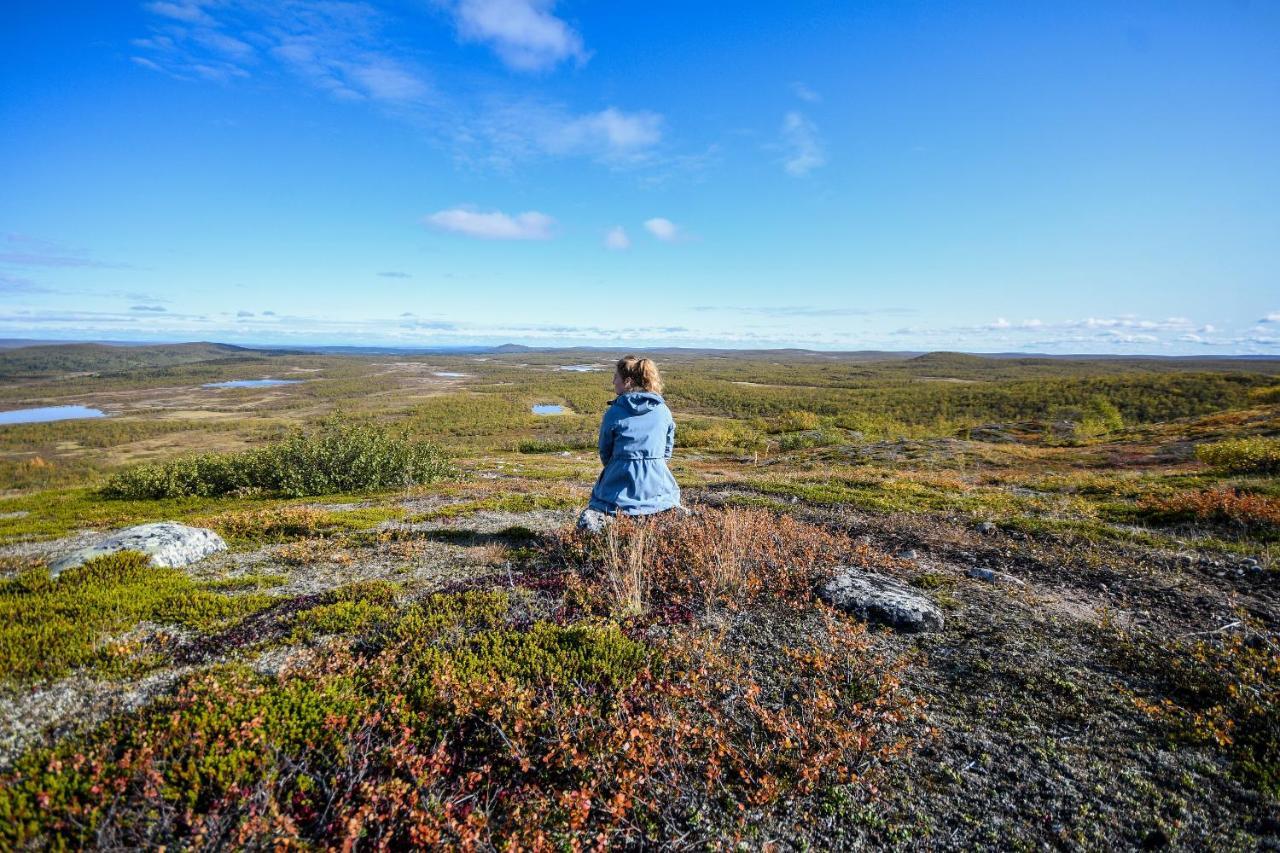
{"x":167,"y":543}
{"x":882,"y":600}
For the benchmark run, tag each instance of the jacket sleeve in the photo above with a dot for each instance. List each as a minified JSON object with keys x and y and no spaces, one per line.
{"x":671,"y":438}
{"x":606,"y":439}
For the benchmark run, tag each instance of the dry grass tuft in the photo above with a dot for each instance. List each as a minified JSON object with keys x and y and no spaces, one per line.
{"x":730,"y":557}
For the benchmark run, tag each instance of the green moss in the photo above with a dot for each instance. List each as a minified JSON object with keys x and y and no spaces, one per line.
{"x":504,"y":503}
{"x":243,"y":582}
{"x":48,"y":627}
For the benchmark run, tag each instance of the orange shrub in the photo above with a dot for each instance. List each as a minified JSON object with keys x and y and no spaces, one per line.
{"x":731,"y":557}
{"x":1216,"y":505}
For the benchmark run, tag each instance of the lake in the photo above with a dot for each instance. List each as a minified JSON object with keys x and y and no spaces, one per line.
{"x":49,"y":413}
{"x":548,"y":409}
{"x":253,"y":383}
{"x":580,"y":368}
{"x":448,"y":374}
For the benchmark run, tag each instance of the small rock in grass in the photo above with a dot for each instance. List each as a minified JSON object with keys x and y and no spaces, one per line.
{"x":594,"y":521}
{"x":987,"y":528}
{"x":909,"y":554}
{"x":992,"y":576}
{"x":876,"y":598}
{"x":167,"y":543}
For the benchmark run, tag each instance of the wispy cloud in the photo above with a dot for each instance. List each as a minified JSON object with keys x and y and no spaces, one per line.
{"x":149,"y":309}
{"x":349,"y":50}
{"x":803,"y":150}
{"x":26,"y":251}
{"x":524,"y":33}
{"x":617,"y":239}
{"x":664,"y":229}
{"x":616,"y":133}
{"x":505,"y":131}
{"x":18,"y":284}
{"x":804,"y":93}
{"x":804,"y":310}
{"x":1273,"y":317}
{"x":334,"y":46}
{"x":188,"y":12}
{"x":496,"y":225}
{"x":394,"y":274}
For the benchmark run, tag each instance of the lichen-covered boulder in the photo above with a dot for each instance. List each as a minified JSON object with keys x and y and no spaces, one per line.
{"x":167,"y":543}
{"x":879,"y":599}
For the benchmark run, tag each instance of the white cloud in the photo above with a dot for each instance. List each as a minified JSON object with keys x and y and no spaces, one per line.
{"x":804,"y":93}
{"x":383,"y":80}
{"x":617,"y":239}
{"x":497,"y":225}
{"x":190,"y":13}
{"x":664,"y":229}
{"x":612,"y":131}
{"x":803,"y":145}
{"x":335,"y":47}
{"x":1273,"y":317}
{"x":524,"y":33}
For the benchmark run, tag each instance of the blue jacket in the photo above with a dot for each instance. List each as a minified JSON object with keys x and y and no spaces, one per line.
{"x":637,"y":436}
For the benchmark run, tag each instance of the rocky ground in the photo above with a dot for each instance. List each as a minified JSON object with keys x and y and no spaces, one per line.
{"x":1032,"y":732}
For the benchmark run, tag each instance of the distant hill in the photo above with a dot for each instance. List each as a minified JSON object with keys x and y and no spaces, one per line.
{"x":35,"y":362}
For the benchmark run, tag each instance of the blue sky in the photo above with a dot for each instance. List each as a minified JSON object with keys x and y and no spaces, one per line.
{"x":983,"y":176}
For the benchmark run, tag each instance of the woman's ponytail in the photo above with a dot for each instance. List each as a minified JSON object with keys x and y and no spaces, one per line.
{"x":642,"y":373}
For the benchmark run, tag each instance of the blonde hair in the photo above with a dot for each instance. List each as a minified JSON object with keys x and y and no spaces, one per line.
{"x":642,"y":373}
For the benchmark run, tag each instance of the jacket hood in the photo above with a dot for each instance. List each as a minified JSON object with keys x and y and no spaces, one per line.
{"x":639,"y":402}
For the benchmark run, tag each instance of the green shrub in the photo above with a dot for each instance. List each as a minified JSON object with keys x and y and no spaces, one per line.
{"x":340,"y":456}
{"x":1243,"y":455}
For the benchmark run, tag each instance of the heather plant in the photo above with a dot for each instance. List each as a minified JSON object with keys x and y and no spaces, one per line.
{"x":340,"y":456}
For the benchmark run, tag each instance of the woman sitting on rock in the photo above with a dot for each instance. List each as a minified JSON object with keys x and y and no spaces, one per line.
{"x":637,"y":436}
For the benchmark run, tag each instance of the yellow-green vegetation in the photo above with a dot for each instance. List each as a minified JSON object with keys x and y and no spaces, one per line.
{"x":340,"y":456}
{"x":244,"y":582}
{"x":505,"y":503}
{"x":49,"y":626}
{"x":1254,"y":455}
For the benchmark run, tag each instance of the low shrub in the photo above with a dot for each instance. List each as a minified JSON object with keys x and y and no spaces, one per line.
{"x":48,"y":627}
{"x":1221,"y":506}
{"x":340,"y":456}
{"x":452,"y":727}
{"x":554,"y":445}
{"x":731,"y":557}
{"x":1221,"y":691}
{"x":1243,"y":455}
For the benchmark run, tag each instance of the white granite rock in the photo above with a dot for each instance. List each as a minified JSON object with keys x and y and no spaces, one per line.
{"x":876,"y":598}
{"x":167,"y":543}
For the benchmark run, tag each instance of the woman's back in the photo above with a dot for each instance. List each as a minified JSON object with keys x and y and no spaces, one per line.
{"x":638,"y":425}
{"x":637,"y":436}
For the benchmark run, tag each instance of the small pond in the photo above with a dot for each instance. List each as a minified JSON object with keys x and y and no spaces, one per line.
{"x":548,"y":409}
{"x":580,"y":368}
{"x":448,"y":374}
{"x":253,"y":383}
{"x":49,"y":413}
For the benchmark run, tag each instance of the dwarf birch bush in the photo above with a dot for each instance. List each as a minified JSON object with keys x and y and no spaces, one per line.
{"x":340,"y":456}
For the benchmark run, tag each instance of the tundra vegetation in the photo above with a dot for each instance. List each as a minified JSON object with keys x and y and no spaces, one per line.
{"x":407,"y":643}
